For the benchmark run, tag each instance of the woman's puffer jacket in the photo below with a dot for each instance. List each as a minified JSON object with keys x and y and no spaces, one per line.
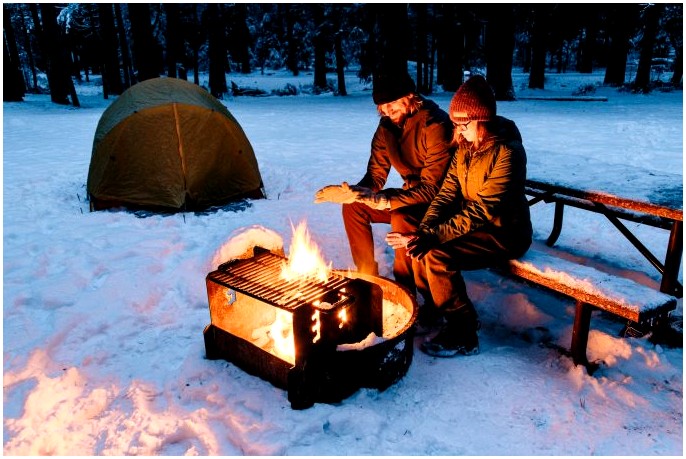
{"x":484,"y":189}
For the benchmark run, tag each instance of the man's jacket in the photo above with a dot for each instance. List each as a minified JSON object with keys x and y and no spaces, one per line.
{"x":420,"y":151}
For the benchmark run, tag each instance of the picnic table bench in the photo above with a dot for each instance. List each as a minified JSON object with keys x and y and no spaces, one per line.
{"x":659,"y":215}
{"x":641,"y":305}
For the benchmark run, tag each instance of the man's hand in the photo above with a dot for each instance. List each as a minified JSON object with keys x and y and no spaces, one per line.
{"x":418,"y":247}
{"x":399,"y":240}
{"x":340,"y":194}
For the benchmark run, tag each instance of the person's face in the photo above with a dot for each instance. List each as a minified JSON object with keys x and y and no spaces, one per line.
{"x":466,"y":130}
{"x":396,"y":110}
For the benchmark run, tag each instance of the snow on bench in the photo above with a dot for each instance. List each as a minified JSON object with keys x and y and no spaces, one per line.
{"x":591,"y":288}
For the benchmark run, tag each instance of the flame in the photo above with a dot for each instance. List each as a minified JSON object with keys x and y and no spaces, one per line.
{"x":281,"y":332}
{"x":304,"y":260}
{"x":343,"y":317}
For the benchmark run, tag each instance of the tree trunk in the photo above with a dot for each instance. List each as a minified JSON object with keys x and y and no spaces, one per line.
{"x":196,"y":37}
{"x":338,"y":51}
{"x":292,"y":47}
{"x":586,"y":47}
{"x":173,"y":36}
{"x":678,"y":74}
{"x":40,"y":39}
{"x":450,"y":49}
{"x":319,"y":42}
{"x":340,"y":64}
{"x":110,"y":48}
{"x":196,"y":66}
{"x":500,"y":43}
{"x":145,"y":50}
{"x":59,"y":63}
{"x":368,"y":52}
{"x":432,"y":63}
{"x":29,"y":52}
{"x":13,"y":81}
{"x":526,"y":67}
{"x":651,"y":20}
{"x":420,"y":48}
{"x":124,"y":43}
{"x":241,"y":38}
{"x":674,"y":25}
{"x":538,"y":47}
{"x":621,"y":23}
{"x":14,"y":84}
{"x":216,"y":51}
{"x":392,"y":49}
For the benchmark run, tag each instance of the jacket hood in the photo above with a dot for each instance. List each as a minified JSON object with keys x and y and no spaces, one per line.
{"x":503,"y":130}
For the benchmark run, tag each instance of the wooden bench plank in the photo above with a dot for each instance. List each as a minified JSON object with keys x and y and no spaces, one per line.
{"x":661,"y":210}
{"x":591,"y":288}
{"x":637,"y":217}
{"x":614,"y":294}
{"x":665,"y":213}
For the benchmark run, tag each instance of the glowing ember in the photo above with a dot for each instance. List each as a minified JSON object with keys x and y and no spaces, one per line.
{"x":304,"y":260}
{"x":317,"y":327}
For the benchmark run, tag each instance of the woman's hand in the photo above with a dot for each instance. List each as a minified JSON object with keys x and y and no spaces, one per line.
{"x":419,"y":246}
{"x":399,"y":240}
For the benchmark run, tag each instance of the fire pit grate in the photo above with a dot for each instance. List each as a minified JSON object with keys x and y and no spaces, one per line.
{"x":261,"y":276}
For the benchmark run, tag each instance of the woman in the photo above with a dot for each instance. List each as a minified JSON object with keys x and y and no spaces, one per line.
{"x":479,"y":218}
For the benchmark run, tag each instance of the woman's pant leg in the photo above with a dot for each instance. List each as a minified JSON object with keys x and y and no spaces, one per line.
{"x":405,"y":220}
{"x":439,"y":273}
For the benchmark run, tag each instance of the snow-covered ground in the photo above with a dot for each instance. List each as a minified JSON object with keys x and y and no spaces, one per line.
{"x":103,"y":312}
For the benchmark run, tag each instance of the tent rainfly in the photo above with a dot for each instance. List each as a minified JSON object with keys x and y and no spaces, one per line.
{"x":167,"y":144}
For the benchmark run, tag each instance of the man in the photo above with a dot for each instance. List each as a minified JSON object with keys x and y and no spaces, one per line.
{"x":414,"y":137}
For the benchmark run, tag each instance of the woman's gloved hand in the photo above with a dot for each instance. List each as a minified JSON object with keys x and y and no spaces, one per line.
{"x":418,"y":247}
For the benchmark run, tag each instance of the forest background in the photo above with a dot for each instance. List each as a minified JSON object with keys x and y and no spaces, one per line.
{"x":49,"y":47}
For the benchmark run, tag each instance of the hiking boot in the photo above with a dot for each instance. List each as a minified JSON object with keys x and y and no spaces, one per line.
{"x":453,"y":339}
{"x":428,"y":319}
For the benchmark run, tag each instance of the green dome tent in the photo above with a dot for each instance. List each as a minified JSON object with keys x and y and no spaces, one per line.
{"x":168,"y":144}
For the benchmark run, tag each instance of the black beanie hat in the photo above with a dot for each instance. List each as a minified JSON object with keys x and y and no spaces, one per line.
{"x":388,"y":88}
{"x":473,"y":101}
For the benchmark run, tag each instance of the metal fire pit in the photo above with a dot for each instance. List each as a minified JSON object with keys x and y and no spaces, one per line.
{"x":352,"y":331}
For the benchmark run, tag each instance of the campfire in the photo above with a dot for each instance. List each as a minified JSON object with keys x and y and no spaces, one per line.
{"x":316,"y":332}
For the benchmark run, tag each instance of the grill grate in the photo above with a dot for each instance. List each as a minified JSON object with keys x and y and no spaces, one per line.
{"x":260,"y":276}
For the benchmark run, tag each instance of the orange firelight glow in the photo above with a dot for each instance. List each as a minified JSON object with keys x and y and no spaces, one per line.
{"x":304,"y":260}
{"x":343,"y":317}
{"x":281,"y":332}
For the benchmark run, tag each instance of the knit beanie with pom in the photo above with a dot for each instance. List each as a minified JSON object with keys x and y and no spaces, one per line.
{"x":473,"y":101}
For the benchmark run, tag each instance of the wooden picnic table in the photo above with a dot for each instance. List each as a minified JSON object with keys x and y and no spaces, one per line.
{"x":657,"y":201}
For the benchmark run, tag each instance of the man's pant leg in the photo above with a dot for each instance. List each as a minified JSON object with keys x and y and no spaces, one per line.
{"x":358,"y":219}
